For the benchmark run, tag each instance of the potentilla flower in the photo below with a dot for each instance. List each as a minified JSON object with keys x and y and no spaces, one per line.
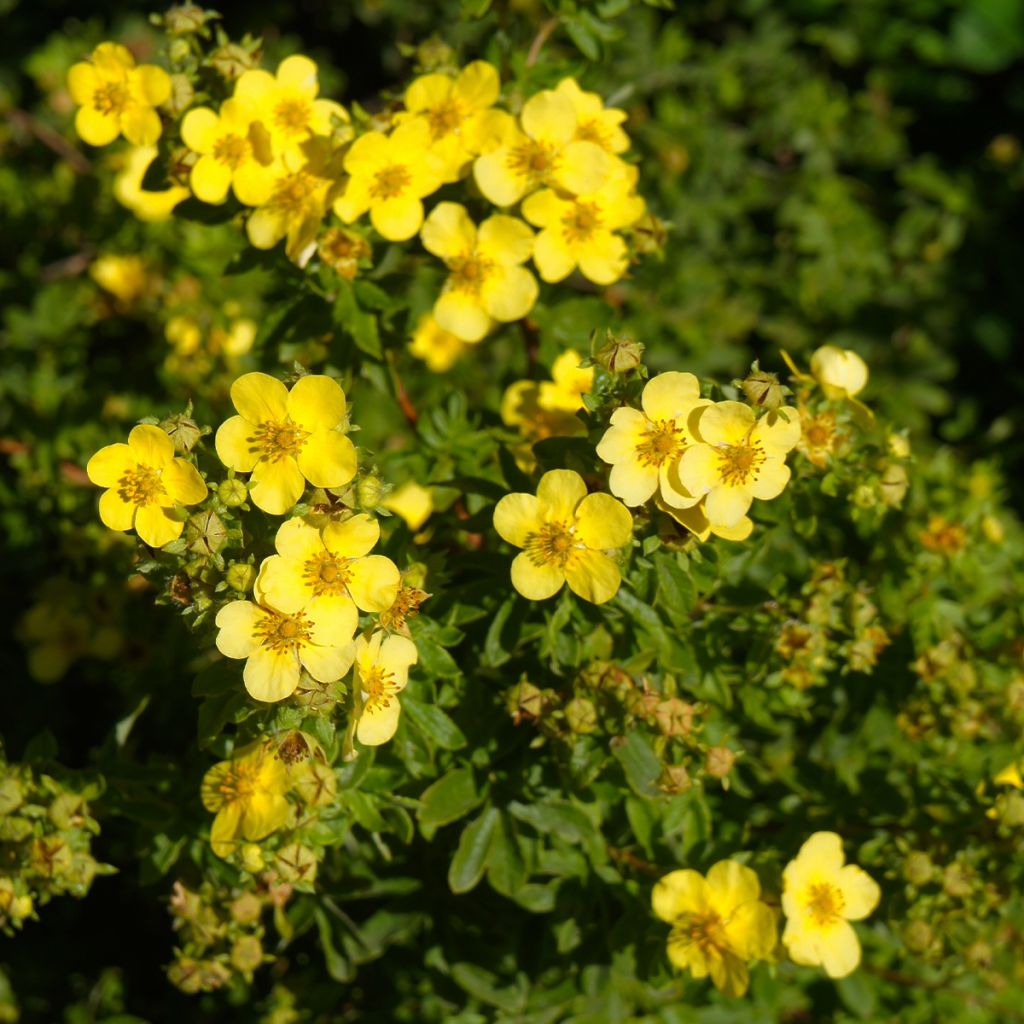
{"x":738,"y":458}
{"x":286,"y":103}
{"x":235,"y":152}
{"x":389,"y":176}
{"x":696,"y":521}
{"x":565,"y":533}
{"x":820,"y":437}
{"x":438,"y":348}
{"x":644,"y":447}
{"x":148,"y":206}
{"x":248,"y":796}
{"x":840,"y":371}
{"x":117,"y":97}
{"x":145,"y":482}
{"x":277,"y":645}
{"x":820,"y":897}
{"x":580,"y":231}
{"x":411,"y":502}
{"x":719,"y":924}
{"x":539,"y":150}
{"x":285,"y":438}
{"x":381,"y":673}
{"x":329,"y":568}
{"x":594,"y":121}
{"x":486,"y":280}
{"x":452,"y":108}
{"x":569,"y":383}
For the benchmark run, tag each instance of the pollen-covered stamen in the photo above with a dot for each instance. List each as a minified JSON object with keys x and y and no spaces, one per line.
{"x":231,"y":150}
{"x":293,"y":116}
{"x":533,"y":160}
{"x":738,"y":463}
{"x":390,"y":182}
{"x":661,"y":442}
{"x":328,"y":574}
{"x":581,"y":222}
{"x":552,"y":544}
{"x":294,"y":194}
{"x":141,"y":486}
{"x":444,"y":118}
{"x":282,"y":632}
{"x":111,"y":98}
{"x":276,"y":440}
{"x":705,"y":931}
{"x":236,"y":782}
{"x":468,"y":272}
{"x":825,"y":903}
{"x":378,"y":687}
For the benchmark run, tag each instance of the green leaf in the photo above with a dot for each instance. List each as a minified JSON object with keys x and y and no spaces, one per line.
{"x":483,"y":985}
{"x":433,"y":723}
{"x":642,"y":768}
{"x":676,"y":593}
{"x":470,"y":860}
{"x":452,"y":797}
{"x":362,"y":326}
{"x":506,"y":871}
{"x":338,"y":966}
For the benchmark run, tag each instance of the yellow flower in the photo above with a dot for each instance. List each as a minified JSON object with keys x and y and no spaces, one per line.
{"x":412,"y":502}
{"x":145,"y":482}
{"x":579,"y":231}
{"x":1010,"y":776}
{"x":277,"y":645}
{"x":381,"y":673}
{"x":643,"y":448}
{"x":438,"y":348}
{"x":840,"y":371}
{"x":564,"y":533}
{"x":539,"y":150}
{"x":486,"y":281}
{"x":248,"y":796}
{"x":293,"y":210}
{"x":569,"y":383}
{"x":719,"y":923}
{"x":594,"y":121}
{"x":694,"y":520}
{"x":125,"y":277}
{"x":452,"y":108}
{"x":185,"y":334}
{"x":286,"y":104}
{"x":738,"y":459}
{"x":820,"y":897}
{"x":286,"y":437}
{"x":330,"y":568}
{"x":389,"y":176}
{"x":128,"y":191}
{"x":235,"y":152}
{"x":116,"y":97}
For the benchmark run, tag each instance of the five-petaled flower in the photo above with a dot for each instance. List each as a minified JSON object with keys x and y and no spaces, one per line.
{"x":564,"y":533}
{"x":594,"y":121}
{"x":486,"y":281}
{"x":644,"y":447}
{"x":719,"y":923}
{"x":821,"y":896}
{"x":285,"y":438}
{"x":248,"y":795}
{"x":116,"y":97}
{"x":737,"y":458}
{"x":145,"y":481}
{"x":569,"y":383}
{"x":381,"y":673}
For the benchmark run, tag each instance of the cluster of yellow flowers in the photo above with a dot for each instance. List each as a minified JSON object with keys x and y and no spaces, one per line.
{"x":292,"y":156}
{"x":720,"y":924}
{"x":702,"y":462}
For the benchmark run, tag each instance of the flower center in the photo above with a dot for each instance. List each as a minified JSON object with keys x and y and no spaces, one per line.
{"x":738,"y":462}
{"x":378,"y":687}
{"x":469,"y":271}
{"x":552,"y":544}
{"x":141,"y":486}
{"x":705,"y":931}
{"x":390,"y":181}
{"x":592,"y":130}
{"x":239,"y":782}
{"x":825,"y":903}
{"x":111,"y":98}
{"x":293,"y":194}
{"x":282,"y":632}
{"x":582,"y":222}
{"x":660,"y":443}
{"x":231,"y":149}
{"x":292,"y":116}
{"x":532,"y":160}
{"x":444,"y":118}
{"x":275,"y":440}
{"x":328,"y":574}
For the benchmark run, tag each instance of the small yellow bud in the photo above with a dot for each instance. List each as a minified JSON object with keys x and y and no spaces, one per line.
{"x":232,"y":492}
{"x":762,"y":389}
{"x":370,"y":491}
{"x":993,"y":530}
{"x":619,"y":355}
{"x":206,"y":533}
{"x":840,"y":372}
{"x":675,"y":779}
{"x":241,"y":576}
{"x":674,"y":717}
{"x":246,"y":954}
{"x":893,"y":485}
{"x":252,"y":858}
{"x":433,"y":54}
{"x":296,"y":863}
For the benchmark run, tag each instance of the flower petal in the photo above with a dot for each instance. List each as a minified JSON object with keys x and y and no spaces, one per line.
{"x":449,"y":231}
{"x":860,"y":892}
{"x":551,"y":256}
{"x":183,"y":483}
{"x":462,"y":315}
{"x":535,"y":582}
{"x":378,"y":722}
{"x":632,"y":481}
{"x":210,"y":180}
{"x":374,"y":583}
{"x":698,"y":469}
{"x":150,"y":84}
{"x":512,"y":295}
{"x":352,"y":537}
{"x":236,"y":624}
{"x":725,"y":423}
{"x":560,"y":491}
{"x":496,"y":180}
{"x":297,"y":540}
{"x":299,"y":73}
{"x":282,"y":585}
{"x":115,"y":513}
{"x":334,"y":619}
{"x":670,"y":396}
{"x":327,"y":664}
{"x":82,"y":82}
{"x":258,"y":397}
{"x":604,"y":258}
{"x":840,"y":950}
{"x":271,"y":675}
{"x":679,"y":892}
{"x":602,"y":522}
{"x":199,"y":129}
{"x":548,"y":116}
{"x":234,"y":444}
{"x":275,"y":487}
{"x":396,"y":654}
{"x":593,"y":576}
{"x":730,"y":884}
{"x":505,"y":239}
{"x":478,"y":84}
{"x":155,"y":527}
{"x":95,"y":128}
{"x":726,"y":506}
{"x":770,"y":479}
{"x":397,"y":219}
{"x":141,"y":125}
{"x":584,"y":168}
{"x":328,"y":459}
{"x":109,"y":464}
{"x":316,"y":402}
{"x":516,"y":516}
{"x":151,"y":445}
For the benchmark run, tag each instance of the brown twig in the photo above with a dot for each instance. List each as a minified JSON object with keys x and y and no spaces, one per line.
{"x":52,"y":139}
{"x":401,"y":395}
{"x":543,"y":33}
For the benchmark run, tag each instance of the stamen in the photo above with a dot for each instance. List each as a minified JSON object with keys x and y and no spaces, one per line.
{"x":141,"y":486}
{"x":552,"y":544}
{"x":582,"y":222}
{"x":662,"y":442}
{"x":328,"y":574}
{"x":275,"y":440}
{"x":282,"y":632}
{"x":390,"y":181}
{"x":737,"y":463}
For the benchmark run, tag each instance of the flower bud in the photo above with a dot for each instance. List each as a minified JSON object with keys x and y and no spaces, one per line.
{"x":246,"y":909}
{"x":720,"y":761}
{"x":675,"y":779}
{"x":524,"y":700}
{"x":231,"y":61}
{"x":183,"y":431}
{"x":186,"y":19}
{"x":956,"y":881}
{"x":619,"y":355}
{"x":21,"y":907}
{"x":840,"y":372}
{"x":674,"y":717}
{"x":206,"y":533}
{"x":993,"y":530}
{"x":370,"y":491}
{"x":581,"y":716}
{"x":246,"y":954}
{"x":918,"y":869}
{"x":893,"y":485}
{"x":1004,"y":149}
{"x":899,"y":446}
{"x":432,"y":54}
{"x":68,"y":811}
{"x":241,"y":576}
{"x":762,"y":389}
{"x":10,"y":795}
{"x":252,"y":858}
{"x":918,"y":935}
{"x":296,"y":863}
{"x":233,"y":492}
